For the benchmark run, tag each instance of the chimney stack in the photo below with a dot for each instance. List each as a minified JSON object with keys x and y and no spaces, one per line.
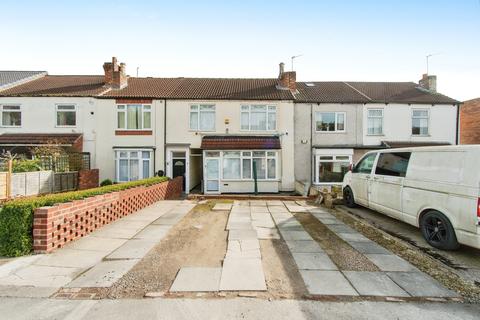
{"x":428,"y":82}
{"x":287,"y":80}
{"x":115,"y":75}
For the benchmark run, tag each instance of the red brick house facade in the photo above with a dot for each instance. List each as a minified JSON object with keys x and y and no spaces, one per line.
{"x":470,"y":122}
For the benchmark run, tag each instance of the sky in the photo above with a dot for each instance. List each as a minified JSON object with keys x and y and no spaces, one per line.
{"x":341,"y":40}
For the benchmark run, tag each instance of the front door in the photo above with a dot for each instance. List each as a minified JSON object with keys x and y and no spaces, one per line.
{"x":212,"y":175}
{"x":178,"y":169}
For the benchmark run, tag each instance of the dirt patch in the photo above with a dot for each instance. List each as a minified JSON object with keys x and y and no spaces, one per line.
{"x":412,"y":254}
{"x":198,"y":240}
{"x":281,"y":273}
{"x":342,"y":254}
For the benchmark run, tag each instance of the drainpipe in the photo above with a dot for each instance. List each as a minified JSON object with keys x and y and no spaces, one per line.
{"x":457,"y":124}
{"x":312,"y":169}
{"x":165,"y":137}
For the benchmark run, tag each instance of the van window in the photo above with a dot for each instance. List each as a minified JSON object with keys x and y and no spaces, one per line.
{"x":366,"y":164}
{"x":393,"y":164}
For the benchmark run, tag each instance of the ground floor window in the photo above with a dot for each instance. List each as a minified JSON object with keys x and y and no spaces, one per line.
{"x":244,"y":165}
{"x":133,"y":165}
{"x":331,"y":168}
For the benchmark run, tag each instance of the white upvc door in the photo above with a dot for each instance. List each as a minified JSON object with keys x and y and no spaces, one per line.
{"x":212,"y":175}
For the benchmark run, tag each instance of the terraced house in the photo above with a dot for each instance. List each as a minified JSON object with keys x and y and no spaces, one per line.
{"x":222,"y":135}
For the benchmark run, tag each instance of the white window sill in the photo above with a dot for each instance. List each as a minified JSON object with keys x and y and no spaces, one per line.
{"x":330,"y":132}
{"x":249,"y":180}
{"x":57,"y":126}
{"x":201,"y":131}
{"x":375,"y":135}
{"x":420,"y":135}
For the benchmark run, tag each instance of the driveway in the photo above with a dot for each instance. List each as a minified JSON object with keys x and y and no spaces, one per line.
{"x":465,"y":261}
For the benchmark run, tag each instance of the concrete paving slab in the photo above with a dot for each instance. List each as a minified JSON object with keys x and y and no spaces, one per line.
{"x":242,"y":235}
{"x":133,"y":249}
{"x":242,"y":275}
{"x":259,"y":209}
{"x":27,"y":291}
{"x":278,"y":209}
{"x":368,"y":247}
{"x":390,"y":262}
{"x":115,"y":233}
{"x":91,"y":243}
{"x":264,"y":215}
{"x":104,"y":274}
{"x":419,"y":284}
{"x":18,"y":263}
{"x":263,"y":223}
{"x":267,"y":233}
{"x":222,"y":207}
{"x":41,"y":276}
{"x":197,"y":279}
{"x":374,"y":284}
{"x":313,"y":261}
{"x":243,"y":225}
{"x":248,"y":254}
{"x":246,"y":245}
{"x":341,"y":228}
{"x":329,"y":220}
{"x":272,"y":203}
{"x":258,"y":203}
{"x":153,"y":232}
{"x":234,"y":246}
{"x":71,"y":258}
{"x":348,"y":237}
{"x":325,"y":215}
{"x":167,"y":221}
{"x":296,"y":208}
{"x":295,"y":235}
{"x":243,"y":203}
{"x":318,"y":210}
{"x":322,"y":282}
{"x":304,"y":246}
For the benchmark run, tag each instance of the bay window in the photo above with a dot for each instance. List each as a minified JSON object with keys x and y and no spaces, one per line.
{"x":133,"y":165}
{"x":330,"y":121}
{"x":202,"y":117}
{"x":331,"y":168}
{"x":258,"y":118}
{"x":420,"y":122}
{"x":375,"y":121}
{"x":134,"y":116}
{"x":66,"y":115}
{"x":11,"y":116}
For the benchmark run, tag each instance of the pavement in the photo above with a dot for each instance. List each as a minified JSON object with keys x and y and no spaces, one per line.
{"x":238,"y":308}
{"x":465,"y":261}
{"x":97,"y":260}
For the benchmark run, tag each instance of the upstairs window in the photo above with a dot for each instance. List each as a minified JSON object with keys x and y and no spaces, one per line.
{"x":134,"y":116}
{"x":66,"y":115}
{"x":258,"y":118}
{"x":11,"y":116}
{"x":420,"y":122}
{"x":375,"y":121}
{"x":202,"y":117}
{"x":330,"y":121}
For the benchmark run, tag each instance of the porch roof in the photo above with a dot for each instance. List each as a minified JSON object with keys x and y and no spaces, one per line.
{"x":231,"y":142}
{"x":29,"y":139}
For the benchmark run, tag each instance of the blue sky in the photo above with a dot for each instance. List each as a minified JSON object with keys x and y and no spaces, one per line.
{"x":339,"y":40}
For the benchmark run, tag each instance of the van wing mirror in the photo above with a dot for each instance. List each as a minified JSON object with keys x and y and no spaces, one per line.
{"x":351,"y":167}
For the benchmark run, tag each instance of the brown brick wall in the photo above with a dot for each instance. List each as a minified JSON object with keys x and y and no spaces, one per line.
{"x":54,"y":227}
{"x":88,"y":179}
{"x":470,"y":122}
{"x":133,"y":132}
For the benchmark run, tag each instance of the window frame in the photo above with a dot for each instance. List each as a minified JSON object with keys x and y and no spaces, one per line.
{"x":417,"y":117}
{"x":198,"y":112}
{"x":375,"y":117}
{"x":336,"y":113}
{"x":20,"y":110}
{"x":140,"y":159}
{"x":267,"y":113}
{"x":143,"y":111}
{"x":333,"y":160}
{"x":75,"y":110}
{"x":250,"y":157}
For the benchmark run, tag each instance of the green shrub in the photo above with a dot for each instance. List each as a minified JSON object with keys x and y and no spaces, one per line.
{"x":26,"y":165}
{"x":106,"y":182}
{"x":16,"y":216}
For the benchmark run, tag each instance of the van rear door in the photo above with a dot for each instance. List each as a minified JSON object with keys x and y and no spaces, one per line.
{"x":387,"y":183}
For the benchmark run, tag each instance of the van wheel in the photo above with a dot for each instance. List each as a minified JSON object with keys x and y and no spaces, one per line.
{"x":438,"y":231}
{"x":348,"y":197}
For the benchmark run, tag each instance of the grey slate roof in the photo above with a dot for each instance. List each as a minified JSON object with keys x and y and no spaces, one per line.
{"x":12,"y":78}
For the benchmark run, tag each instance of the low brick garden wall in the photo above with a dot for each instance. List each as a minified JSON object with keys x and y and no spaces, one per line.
{"x":55,"y":226}
{"x":88,"y":179}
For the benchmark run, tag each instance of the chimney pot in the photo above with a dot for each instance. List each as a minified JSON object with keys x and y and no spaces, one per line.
{"x":282,"y":69}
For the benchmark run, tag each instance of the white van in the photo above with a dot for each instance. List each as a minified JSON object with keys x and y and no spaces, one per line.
{"x":434,"y":188}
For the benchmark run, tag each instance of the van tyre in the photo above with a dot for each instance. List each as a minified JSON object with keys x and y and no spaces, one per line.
{"x":348,"y":197}
{"x":438,"y":231}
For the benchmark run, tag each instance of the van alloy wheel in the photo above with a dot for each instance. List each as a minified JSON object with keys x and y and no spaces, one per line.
{"x":438,"y":231}
{"x":348,"y":197}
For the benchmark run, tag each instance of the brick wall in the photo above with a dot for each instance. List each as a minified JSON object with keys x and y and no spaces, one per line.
{"x":88,"y":179}
{"x":55,"y":226}
{"x":470,"y":122}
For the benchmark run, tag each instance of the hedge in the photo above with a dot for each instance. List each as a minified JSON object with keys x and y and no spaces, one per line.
{"x":16,"y":216}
